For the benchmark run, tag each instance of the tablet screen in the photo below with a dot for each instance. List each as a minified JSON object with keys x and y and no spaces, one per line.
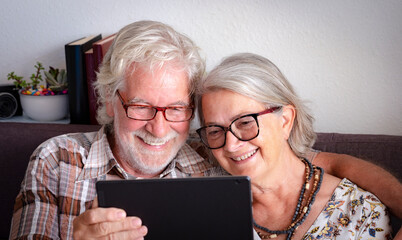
{"x":185,"y":208}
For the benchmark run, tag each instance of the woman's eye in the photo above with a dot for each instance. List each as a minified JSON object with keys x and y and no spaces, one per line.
{"x":214,"y":133}
{"x":245,"y":123}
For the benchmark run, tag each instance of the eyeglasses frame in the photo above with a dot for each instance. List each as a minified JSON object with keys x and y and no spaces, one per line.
{"x":229,"y":128}
{"x":161,"y":109}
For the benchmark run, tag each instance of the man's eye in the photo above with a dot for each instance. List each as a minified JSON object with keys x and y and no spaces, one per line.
{"x":178,"y":109}
{"x":140,"y":107}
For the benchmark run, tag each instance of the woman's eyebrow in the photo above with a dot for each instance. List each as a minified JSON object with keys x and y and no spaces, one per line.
{"x":231,"y":119}
{"x":212,"y":123}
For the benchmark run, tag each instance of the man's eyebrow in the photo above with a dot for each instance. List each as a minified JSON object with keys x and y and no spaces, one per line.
{"x":180,"y":103}
{"x":138,"y":100}
{"x":144,"y":102}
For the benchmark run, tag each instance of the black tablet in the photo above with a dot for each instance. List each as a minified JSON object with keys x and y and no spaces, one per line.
{"x":185,"y":208}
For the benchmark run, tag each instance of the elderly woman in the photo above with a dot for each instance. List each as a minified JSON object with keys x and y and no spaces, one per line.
{"x":256,"y":125}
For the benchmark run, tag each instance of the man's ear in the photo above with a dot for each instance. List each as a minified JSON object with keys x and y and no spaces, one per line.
{"x":288,"y":117}
{"x":109,"y":109}
{"x":109,"y":106}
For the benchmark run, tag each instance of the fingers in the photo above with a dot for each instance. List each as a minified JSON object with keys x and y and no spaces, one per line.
{"x":106,"y":228}
{"x":98,"y":215}
{"x":138,"y":233}
{"x":108,"y":223}
{"x":128,"y":228}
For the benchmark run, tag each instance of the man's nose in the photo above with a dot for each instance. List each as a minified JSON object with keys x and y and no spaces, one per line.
{"x":158,"y":126}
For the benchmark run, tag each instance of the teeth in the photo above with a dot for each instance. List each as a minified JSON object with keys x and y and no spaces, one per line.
{"x":154,"y":143}
{"x":245,"y":156}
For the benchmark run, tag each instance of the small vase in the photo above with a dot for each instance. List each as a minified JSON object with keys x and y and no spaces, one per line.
{"x":45,"y":108}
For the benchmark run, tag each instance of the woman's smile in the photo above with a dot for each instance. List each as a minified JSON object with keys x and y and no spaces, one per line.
{"x":245,"y":156}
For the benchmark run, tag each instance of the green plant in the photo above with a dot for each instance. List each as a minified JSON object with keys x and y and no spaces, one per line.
{"x":36,"y":78}
{"x":19,"y":82}
{"x":56,"y":79}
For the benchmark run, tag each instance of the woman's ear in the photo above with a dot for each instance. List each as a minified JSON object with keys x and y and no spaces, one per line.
{"x":288,"y":117}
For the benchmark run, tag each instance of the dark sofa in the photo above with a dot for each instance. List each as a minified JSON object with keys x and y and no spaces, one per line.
{"x":18,"y":141}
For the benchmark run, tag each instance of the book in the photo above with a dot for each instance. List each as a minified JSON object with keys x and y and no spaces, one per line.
{"x":91,"y":78}
{"x":93,"y":59}
{"x":100,"y":48}
{"x":77,"y":78}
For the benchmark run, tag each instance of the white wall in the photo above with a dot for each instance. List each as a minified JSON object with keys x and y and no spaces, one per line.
{"x":344,"y":57}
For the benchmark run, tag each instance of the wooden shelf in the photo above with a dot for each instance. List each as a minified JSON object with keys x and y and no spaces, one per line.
{"x":25,"y":119}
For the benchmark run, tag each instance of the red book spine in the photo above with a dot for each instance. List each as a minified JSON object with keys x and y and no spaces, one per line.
{"x":100,"y":48}
{"x":91,"y":78}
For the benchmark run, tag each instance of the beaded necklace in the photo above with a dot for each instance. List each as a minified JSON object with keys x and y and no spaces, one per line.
{"x":303,"y":204}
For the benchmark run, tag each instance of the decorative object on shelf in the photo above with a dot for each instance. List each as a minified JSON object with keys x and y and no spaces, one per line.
{"x":40,"y":102}
{"x":56,"y":80}
{"x":10,"y":105}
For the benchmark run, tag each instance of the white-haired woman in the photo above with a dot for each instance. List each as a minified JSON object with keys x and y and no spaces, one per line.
{"x":256,"y":125}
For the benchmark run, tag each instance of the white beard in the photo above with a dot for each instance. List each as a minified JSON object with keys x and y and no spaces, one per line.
{"x":143,"y":160}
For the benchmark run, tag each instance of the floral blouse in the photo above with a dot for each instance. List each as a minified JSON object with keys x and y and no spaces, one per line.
{"x":351,"y":213}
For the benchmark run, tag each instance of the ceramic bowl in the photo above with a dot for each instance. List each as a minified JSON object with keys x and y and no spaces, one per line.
{"x":45,"y":108}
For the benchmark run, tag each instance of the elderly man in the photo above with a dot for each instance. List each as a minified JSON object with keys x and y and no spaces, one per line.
{"x":146,"y":85}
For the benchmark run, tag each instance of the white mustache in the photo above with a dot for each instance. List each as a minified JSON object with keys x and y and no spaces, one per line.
{"x":151,"y":140}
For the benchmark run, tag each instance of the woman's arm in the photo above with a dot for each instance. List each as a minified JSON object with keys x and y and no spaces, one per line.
{"x":366,"y":175}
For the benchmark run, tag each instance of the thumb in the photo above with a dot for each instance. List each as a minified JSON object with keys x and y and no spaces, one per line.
{"x":95,"y":203}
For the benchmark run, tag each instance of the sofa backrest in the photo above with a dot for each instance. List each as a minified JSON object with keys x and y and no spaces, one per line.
{"x":17,"y":143}
{"x":383,"y":150}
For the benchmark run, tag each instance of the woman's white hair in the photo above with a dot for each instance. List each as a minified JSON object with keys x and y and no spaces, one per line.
{"x":256,"y":77}
{"x":145,"y":43}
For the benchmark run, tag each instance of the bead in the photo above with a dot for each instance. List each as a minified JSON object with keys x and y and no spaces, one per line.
{"x":300,"y":214}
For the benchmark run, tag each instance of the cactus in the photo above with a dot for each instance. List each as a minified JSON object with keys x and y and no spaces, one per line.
{"x":56,"y":79}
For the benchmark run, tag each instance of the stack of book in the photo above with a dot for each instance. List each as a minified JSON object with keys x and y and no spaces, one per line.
{"x":83,"y":58}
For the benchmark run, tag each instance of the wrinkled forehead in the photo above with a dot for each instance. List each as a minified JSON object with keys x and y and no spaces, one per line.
{"x":160,"y":86}
{"x":160,"y":74}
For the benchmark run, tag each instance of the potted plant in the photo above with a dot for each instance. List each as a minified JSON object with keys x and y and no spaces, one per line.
{"x":43,"y":102}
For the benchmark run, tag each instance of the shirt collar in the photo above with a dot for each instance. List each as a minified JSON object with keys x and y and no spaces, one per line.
{"x":100,"y":159}
{"x":188,"y":162}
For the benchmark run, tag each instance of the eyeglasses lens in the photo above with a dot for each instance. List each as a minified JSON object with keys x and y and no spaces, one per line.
{"x":148,"y":113}
{"x":244,"y":128}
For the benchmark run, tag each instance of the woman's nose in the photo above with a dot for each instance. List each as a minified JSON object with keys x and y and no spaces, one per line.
{"x":232,"y":142}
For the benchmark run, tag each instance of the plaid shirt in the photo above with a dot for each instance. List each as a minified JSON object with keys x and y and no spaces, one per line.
{"x":59,"y":183}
